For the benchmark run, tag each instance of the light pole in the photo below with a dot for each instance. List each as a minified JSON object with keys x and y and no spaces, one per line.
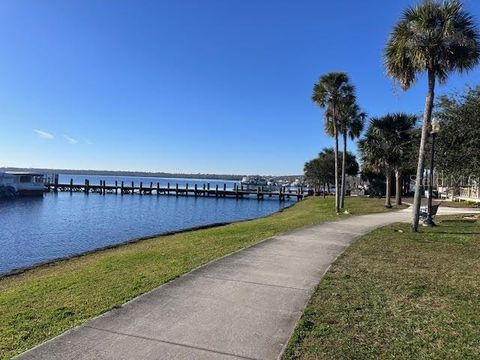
{"x":434,"y":131}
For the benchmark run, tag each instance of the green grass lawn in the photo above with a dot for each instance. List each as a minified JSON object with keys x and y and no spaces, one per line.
{"x":398,"y":295}
{"x":444,"y":203}
{"x":460,"y":204}
{"x":44,"y":302}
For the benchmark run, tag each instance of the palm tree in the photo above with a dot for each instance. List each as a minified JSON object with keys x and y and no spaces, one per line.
{"x":329,"y":93}
{"x":351,"y":125}
{"x":435,"y":38}
{"x":384,"y":146}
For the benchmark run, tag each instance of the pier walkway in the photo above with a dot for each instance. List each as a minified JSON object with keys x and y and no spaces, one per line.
{"x":242,"y":306}
{"x":123,"y":188}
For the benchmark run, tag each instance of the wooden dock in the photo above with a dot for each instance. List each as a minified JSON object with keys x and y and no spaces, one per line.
{"x":123,"y":188}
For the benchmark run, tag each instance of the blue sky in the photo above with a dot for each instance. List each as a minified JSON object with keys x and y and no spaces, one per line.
{"x":211,"y":86}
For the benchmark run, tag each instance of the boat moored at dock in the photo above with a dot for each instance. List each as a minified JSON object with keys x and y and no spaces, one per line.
{"x":15,"y":184}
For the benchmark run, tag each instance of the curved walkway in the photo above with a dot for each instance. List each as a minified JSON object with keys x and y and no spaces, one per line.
{"x":242,"y":306}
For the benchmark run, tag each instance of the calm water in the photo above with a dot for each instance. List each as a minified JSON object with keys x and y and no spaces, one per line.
{"x":57,"y":225}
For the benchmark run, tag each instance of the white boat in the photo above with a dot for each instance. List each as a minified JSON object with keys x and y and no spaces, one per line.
{"x":253,"y":182}
{"x":13,"y":184}
{"x":296,"y":183}
{"x":245,"y":180}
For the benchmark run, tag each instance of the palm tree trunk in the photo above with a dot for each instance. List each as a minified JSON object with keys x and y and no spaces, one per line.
{"x":337,"y":187}
{"x":398,"y":187}
{"x":335,"y":134}
{"x":344,"y":160}
{"x":388,"y":190}
{"x":427,"y":114}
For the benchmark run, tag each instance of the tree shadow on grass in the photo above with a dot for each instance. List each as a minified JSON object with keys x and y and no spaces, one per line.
{"x":457,"y":232}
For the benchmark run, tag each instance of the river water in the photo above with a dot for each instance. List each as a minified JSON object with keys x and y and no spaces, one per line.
{"x":35,"y":230}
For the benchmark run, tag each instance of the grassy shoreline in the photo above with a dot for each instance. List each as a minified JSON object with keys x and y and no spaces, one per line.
{"x":41,"y":303}
{"x":395,"y":294}
{"x":52,"y":262}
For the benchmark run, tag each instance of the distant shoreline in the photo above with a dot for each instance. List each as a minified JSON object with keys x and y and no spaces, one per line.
{"x":142,"y":173}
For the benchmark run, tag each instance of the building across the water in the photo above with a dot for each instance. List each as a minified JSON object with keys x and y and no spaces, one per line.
{"x":14,"y":184}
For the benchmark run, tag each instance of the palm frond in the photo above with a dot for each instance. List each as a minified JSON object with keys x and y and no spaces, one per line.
{"x":435,"y":36}
{"x":386,"y":140}
{"x":329,"y":93}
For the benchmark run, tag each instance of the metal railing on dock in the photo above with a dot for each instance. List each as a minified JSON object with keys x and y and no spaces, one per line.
{"x":130,"y":188}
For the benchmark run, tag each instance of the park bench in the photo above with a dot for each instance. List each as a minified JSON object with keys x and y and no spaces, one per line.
{"x":424,"y":211}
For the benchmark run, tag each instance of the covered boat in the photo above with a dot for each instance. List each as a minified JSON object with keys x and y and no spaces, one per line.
{"x":13,"y":184}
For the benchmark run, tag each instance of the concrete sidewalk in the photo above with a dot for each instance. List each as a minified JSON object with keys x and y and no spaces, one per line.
{"x":243,"y":306}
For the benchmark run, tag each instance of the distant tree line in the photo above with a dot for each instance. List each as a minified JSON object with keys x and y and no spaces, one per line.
{"x":320,"y":172}
{"x":142,"y":174}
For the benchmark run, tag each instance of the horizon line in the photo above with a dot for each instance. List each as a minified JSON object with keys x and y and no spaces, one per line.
{"x":102,"y":171}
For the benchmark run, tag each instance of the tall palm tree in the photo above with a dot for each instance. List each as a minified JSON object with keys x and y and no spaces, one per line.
{"x":435,"y":38}
{"x":351,"y":122}
{"x":329,"y":93}
{"x":386,"y":141}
